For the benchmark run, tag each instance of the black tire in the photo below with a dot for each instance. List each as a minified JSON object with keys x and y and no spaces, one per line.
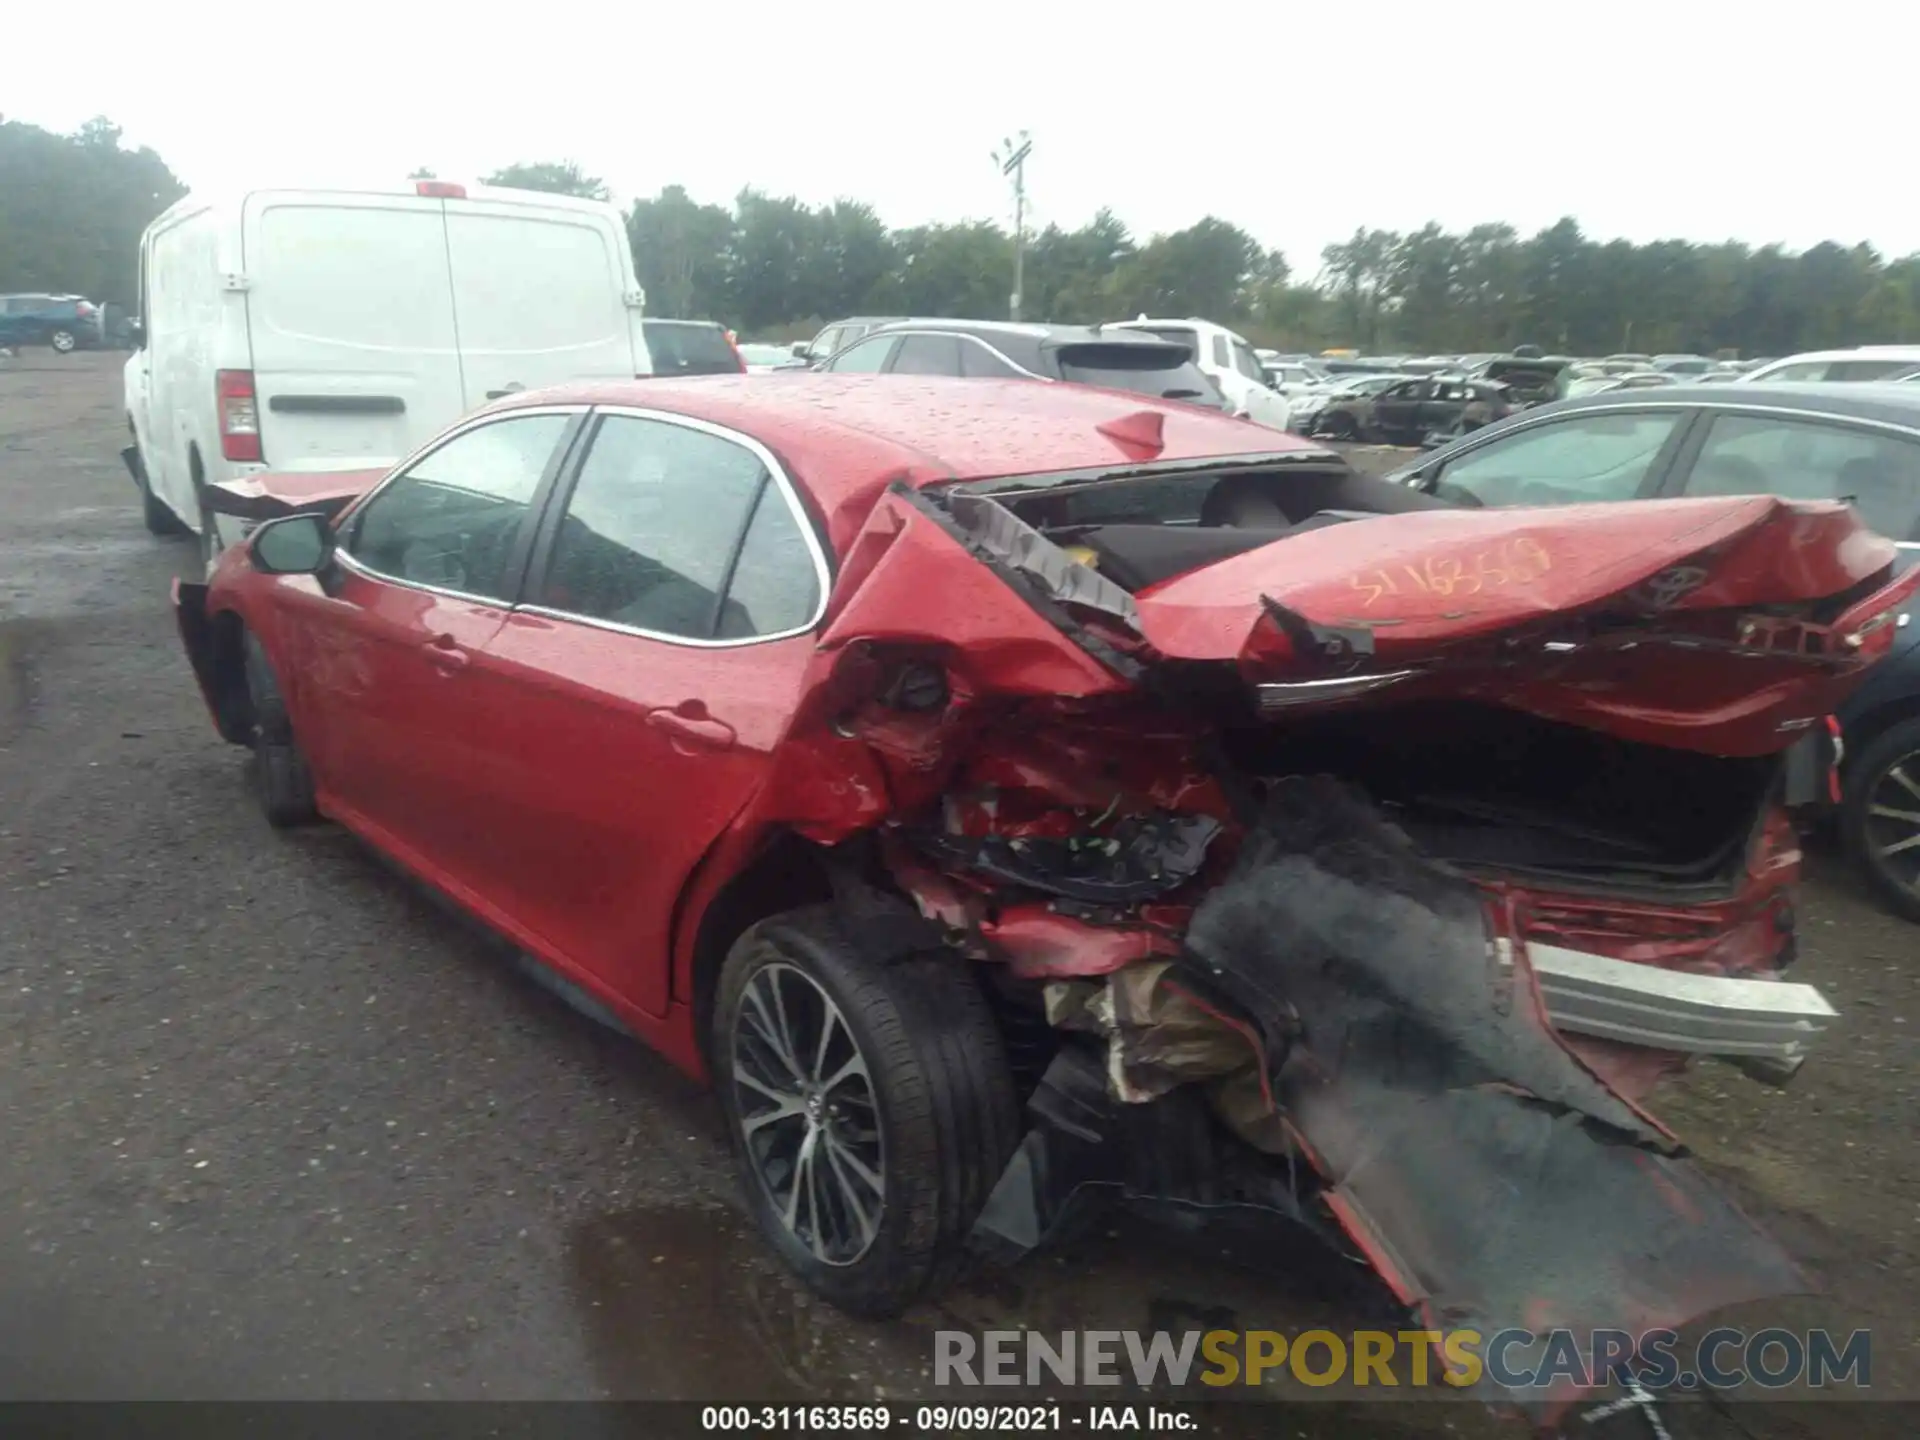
{"x":939,"y":1086}
{"x":63,"y":341}
{"x":209,"y":536}
{"x":1871,"y":781}
{"x":159,"y":519}
{"x":1339,"y":426}
{"x":283,"y":783}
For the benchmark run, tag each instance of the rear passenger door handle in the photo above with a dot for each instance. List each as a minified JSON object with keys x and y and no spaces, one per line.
{"x":700,"y":729}
{"x":446,"y":652}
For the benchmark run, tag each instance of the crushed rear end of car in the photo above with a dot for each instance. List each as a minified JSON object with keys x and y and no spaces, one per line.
{"x":1343,"y":856}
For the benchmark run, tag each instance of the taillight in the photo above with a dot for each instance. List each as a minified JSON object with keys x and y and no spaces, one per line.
{"x":239,"y":414}
{"x":738,"y":359}
{"x":83,"y":309}
{"x":440,"y":189}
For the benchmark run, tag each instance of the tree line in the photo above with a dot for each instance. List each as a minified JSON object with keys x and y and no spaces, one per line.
{"x":72,"y":208}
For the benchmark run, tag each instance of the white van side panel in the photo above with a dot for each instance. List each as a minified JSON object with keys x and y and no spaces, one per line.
{"x":194,"y":329}
{"x":355,"y":352}
{"x":540,"y":296}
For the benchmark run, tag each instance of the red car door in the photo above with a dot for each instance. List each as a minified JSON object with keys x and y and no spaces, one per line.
{"x":650,"y":678}
{"x":430,"y":562}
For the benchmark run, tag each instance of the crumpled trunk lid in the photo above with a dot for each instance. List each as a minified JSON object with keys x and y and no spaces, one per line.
{"x":1720,"y":624}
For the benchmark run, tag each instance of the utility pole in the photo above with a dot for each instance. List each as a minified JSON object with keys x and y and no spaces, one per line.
{"x":1011,"y":157}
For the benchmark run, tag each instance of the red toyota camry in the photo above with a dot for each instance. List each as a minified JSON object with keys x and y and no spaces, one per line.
{"x":1010,"y":793}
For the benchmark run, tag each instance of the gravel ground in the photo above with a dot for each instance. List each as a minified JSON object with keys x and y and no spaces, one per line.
{"x":278,"y":1127}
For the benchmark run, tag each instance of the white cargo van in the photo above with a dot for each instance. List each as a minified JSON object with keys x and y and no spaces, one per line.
{"x":341,"y":329}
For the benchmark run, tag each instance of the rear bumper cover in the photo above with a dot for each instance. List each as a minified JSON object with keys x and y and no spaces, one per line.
{"x":1772,"y":1020}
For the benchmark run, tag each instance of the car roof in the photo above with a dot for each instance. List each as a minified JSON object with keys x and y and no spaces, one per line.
{"x":846,"y":436}
{"x":1859,"y":352}
{"x":1056,"y":334}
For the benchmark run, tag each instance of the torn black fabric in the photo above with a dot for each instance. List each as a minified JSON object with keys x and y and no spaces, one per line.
{"x":1493,"y":1179}
{"x":1385,"y":957}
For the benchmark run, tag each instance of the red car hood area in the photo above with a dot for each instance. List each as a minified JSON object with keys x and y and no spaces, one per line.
{"x":1281,"y":829}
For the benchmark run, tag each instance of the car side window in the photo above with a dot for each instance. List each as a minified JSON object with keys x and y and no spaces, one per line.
{"x":1221,"y":359}
{"x":825,"y":343}
{"x":451,"y":520}
{"x":1582,"y":458}
{"x":866,"y":358}
{"x":980,"y":362}
{"x":651,"y":529}
{"x":1806,"y":370}
{"x":775,"y":589}
{"x":1859,"y":370}
{"x":1805,"y":460}
{"x":927,"y":355}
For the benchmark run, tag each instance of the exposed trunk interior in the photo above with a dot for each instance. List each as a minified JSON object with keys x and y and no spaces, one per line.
{"x":1479,"y":785}
{"x":1139,"y":532}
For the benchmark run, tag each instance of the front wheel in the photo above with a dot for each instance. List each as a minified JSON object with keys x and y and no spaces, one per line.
{"x":283,"y":782}
{"x":1880,"y":816}
{"x":870,"y":1102}
{"x":62,"y":341}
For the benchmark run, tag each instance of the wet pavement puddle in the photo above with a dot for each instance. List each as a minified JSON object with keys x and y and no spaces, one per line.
{"x":689,"y":1303}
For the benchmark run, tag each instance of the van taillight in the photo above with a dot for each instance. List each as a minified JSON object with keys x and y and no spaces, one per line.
{"x":239,"y":414}
{"x":440,"y":190}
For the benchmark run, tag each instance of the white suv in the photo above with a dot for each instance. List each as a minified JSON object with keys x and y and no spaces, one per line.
{"x":1229,"y":360}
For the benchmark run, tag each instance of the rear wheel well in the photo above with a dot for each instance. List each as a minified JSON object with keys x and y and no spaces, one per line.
{"x":788,"y":874}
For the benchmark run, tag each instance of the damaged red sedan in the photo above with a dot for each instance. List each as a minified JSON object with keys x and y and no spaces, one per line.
{"x":1011,"y":793}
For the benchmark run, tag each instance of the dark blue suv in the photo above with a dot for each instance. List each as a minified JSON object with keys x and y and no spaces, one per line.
{"x":1857,"y":442}
{"x":66,"y":322}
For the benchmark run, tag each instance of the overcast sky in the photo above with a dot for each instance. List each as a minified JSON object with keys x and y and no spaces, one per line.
{"x":1702,"y":120}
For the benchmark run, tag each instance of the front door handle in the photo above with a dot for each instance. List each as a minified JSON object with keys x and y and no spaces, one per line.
{"x":689,"y":720}
{"x":446,"y":652}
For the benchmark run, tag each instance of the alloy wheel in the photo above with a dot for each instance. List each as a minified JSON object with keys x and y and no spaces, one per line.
{"x":809,"y":1121}
{"x":61,"y":341}
{"x":1893,"y":822}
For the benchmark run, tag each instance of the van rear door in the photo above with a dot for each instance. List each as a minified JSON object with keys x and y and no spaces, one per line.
{"x":540,"y":294}
{"x":356,"y":360}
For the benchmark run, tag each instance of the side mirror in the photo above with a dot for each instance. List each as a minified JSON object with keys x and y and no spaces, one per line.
{"x":802,"y":350}
{"x":137,"y":334}
{"x":292,"y":545}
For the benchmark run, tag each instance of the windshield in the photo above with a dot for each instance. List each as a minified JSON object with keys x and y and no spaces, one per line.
{"x":1163,"y":371}
{"x":689,"y":349}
